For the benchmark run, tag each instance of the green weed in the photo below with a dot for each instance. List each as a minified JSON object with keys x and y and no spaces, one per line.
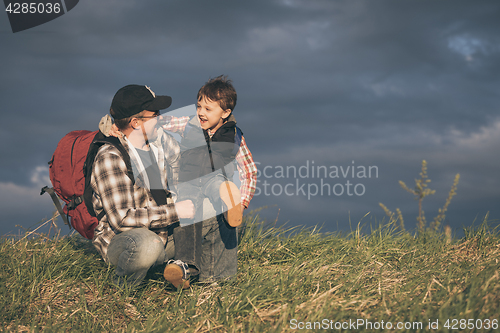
{"x":421,"y":191}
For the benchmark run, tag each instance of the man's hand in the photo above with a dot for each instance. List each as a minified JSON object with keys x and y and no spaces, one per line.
{"x":185,"y":209}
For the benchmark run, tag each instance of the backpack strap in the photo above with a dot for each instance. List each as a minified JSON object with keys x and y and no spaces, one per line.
{"x":57,"y":203}
{"x":99,"y":140}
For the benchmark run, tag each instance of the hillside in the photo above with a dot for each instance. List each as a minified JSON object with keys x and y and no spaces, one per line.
{"x":288,"y":279}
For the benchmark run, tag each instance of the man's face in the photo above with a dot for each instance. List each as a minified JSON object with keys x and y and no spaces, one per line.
{"x":150,"y":121}
{"x":210,"y":114}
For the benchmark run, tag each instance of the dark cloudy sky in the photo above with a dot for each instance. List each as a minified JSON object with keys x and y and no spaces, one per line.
{"x":329,"y":83}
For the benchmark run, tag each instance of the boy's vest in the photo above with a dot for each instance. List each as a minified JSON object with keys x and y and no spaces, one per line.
{"x":201,"y":155}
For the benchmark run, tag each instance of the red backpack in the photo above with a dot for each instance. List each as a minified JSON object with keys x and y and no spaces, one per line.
{"x":70,"y":171}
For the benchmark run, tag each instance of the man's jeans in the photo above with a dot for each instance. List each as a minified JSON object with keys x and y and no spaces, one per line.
{"x":133,"y":253}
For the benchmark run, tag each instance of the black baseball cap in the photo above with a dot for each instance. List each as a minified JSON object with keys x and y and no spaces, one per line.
{"x":132,"y":99}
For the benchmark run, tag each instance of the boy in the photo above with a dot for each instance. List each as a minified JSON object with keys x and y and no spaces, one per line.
{"x":206,"y":169}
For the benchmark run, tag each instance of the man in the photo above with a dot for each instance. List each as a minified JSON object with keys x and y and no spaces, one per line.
{"x":140,"y":212}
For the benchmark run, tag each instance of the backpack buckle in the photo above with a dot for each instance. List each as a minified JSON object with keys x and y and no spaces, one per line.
{"x":75,"y":201}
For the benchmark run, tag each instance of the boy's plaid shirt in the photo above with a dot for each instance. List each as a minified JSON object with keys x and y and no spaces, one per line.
{"x":247,"y":170}
{"x":130,"y":204}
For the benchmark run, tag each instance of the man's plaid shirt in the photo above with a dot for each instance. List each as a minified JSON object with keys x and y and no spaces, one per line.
{"x":247,"y":171}
{"x":130,"y":204}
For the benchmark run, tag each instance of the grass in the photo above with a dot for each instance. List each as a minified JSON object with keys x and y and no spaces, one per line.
{"x":287,"y":279}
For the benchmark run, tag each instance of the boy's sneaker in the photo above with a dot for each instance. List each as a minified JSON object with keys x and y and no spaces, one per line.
{"x":176,"y":272}
{"x":231,"y":199}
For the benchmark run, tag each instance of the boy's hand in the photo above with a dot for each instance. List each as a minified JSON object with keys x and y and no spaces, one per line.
{"x":185,"y":209}
{"x":114,"y":131}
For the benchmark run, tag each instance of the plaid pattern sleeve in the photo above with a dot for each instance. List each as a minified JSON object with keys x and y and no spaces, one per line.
{"x":126,"y":205}
{"x":175,"y":124}
{"x":247,"y":171}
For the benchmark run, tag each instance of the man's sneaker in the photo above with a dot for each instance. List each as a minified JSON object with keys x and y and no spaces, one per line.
{"x":231,"y":199}
{"x":176,"y":272}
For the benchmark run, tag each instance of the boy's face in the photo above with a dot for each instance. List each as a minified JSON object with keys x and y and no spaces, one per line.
{"x":210,"y":114}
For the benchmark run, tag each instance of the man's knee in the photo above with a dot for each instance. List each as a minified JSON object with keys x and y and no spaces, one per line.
{"x":138,"y":248}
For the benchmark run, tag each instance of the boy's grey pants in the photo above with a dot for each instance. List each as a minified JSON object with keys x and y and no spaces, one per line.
{"x":211,"y":246}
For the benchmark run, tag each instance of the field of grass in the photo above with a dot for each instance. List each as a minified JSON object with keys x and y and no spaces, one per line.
{"x":287,"y":280}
